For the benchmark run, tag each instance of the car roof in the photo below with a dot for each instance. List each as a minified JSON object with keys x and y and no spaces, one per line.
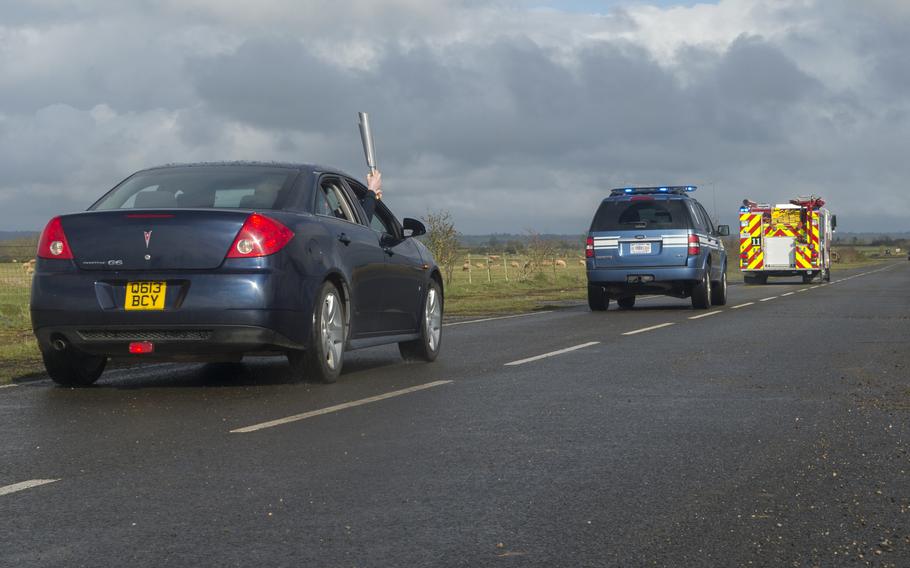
{"x":301,"y":167}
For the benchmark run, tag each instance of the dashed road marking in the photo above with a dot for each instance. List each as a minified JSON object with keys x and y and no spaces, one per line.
{"x":768,"y":299}
{"x":8,"y":386}
{"x":814,"y":287}
{"x":714,"y":313}
{"x":787,"y":294}
{"x":743,"y":305}
{"x":22,"y":486}
{"x":551,"y":354}
{"x":336,"y":408}
{"x":496,"y":318}
{"x":652,"y":328}
{"x":803,"y":290}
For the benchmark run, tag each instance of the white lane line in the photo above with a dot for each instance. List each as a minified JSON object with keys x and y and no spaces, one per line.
{"x":743,"y":305}
{"x":813,"y":287}
{"x":336,"y":408}
{"x":803,"y":290}
{"x":551,"y":354}
{"x":787,"y":294}
{"x":496,"y":318}
{"x":714,"y":313}
{"x":768,"y":299}
{"x":6,"y":490}
{"x":8,"y":386}
{"x":652,"y":328}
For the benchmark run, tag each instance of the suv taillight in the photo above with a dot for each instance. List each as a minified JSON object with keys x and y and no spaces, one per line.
{"x":589,"y":247}
{"x":259,"y":236}
{"x":53,"y":243}
{"x":694,"y":245}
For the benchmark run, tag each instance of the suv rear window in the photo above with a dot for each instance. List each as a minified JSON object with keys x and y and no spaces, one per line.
{"x":648,"y":214}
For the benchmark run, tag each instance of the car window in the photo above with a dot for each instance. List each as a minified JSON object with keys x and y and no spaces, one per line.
{"x":333,"y":201}
{"x":653,"y":213}
{"x":232,"y":187}
{"x":708,"y":222}
{"x":381,"y":222}
{"x":698,"y":215}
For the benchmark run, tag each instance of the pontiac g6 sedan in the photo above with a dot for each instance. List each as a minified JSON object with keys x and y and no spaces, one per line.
{"x":209,"y":262}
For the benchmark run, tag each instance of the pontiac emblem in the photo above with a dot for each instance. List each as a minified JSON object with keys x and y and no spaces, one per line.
{"x":148,"y":237}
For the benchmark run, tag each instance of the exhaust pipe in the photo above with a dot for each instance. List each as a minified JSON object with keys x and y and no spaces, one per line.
{"x":59,"y":344}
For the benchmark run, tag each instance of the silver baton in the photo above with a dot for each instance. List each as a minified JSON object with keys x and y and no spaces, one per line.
{"x":366,"y":135}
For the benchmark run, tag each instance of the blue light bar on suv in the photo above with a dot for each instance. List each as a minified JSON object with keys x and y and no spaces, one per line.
{"x":677,"y":189}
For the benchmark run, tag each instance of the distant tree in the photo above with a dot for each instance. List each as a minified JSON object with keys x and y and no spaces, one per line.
{"x":442,"y":240}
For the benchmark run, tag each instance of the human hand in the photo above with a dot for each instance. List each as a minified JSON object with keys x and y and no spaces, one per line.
{"x":374,"y":183}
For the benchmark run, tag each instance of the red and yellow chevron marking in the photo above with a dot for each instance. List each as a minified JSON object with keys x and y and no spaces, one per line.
{"x":750,"y":256}
{"x":815,"y":240}
{"x":803,"y":257}
{"x":780,"y":231}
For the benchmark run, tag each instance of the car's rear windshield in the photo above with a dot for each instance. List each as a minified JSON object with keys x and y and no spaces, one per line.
{"x":641,"y":214}
{"x":221,"y":187}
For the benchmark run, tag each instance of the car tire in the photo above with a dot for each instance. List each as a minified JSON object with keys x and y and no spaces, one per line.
{"x":808,"y":277}
{"x":69,"y":368}
{"x":719,"y":290}
{"x":626,"y":303}
{"x":597,"y":299}
{"x":827,"y":275}
{"x":701,"y":292}
{"x":426,"y":347}
{"x":324,"y":356}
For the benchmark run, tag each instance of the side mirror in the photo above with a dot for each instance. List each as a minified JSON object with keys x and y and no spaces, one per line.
{"x":723,"y":230}
{"x":833,"y":222}
{"x":413,"y":227}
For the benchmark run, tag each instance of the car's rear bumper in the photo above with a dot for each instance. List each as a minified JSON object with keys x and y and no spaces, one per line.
{"x":171,"y":342}
{"x":676,"y":280}
{"x":234,"y":311}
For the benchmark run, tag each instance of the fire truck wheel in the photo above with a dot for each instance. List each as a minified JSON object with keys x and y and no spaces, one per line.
{"x":719,"y":290}
{"x":808,"y":277}
{"x":597,"y":299}
{"x":701,"y":293}
{"x":827,"y":275}
{"x":626,"y":303}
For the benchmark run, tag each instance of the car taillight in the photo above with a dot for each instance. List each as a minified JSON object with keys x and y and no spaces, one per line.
{"x":53,"y":243}
{"x":694,"y":245}
{"x":260,"y":236}
{"x":589,"y":248}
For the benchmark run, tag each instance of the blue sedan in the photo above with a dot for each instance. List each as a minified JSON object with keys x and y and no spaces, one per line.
{"x":210,"y":262}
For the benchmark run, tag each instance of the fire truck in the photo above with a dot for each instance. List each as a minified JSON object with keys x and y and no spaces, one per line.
{"x":787,"y":239}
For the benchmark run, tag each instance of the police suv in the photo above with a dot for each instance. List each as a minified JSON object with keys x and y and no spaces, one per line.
{"x":655,"y":240}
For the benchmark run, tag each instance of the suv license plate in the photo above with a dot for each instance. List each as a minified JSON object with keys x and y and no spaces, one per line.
{"x":145,"y":295}
{"x":641,"y":248}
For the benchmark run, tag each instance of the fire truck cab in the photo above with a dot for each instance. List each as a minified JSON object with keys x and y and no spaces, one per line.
{"x":787,"y":239}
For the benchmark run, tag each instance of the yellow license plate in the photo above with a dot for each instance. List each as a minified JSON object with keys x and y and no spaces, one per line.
{"x":145,"y":295}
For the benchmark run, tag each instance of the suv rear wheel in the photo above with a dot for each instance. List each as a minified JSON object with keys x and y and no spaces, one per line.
{"x":701,"y":292}
{"x":597,"y":299}
{"x":719,"y":290}
{"x":626,"y":302}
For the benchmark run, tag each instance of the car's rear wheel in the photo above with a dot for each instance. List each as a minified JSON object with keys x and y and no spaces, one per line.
{"x":719,"y":290}
{"x":808,"y":277}
{"x":701,"y":292}
{"x":324,"y":357}
{"x":597,"y":299}
{"x":426,"y":347}
{"x":626,"y":302}
{"x":70,"y":368}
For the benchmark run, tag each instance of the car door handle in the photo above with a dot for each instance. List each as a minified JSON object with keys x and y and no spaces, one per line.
{"x":388,"y":250}
{"x":345,"y":240}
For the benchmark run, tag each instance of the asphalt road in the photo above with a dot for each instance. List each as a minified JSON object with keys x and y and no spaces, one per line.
{"x":770,"y":432}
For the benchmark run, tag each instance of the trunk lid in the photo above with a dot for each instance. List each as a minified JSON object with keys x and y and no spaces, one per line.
{"x":180,"y":239}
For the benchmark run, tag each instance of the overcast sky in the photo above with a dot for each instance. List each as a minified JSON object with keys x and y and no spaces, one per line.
{"x":512,"y":115}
